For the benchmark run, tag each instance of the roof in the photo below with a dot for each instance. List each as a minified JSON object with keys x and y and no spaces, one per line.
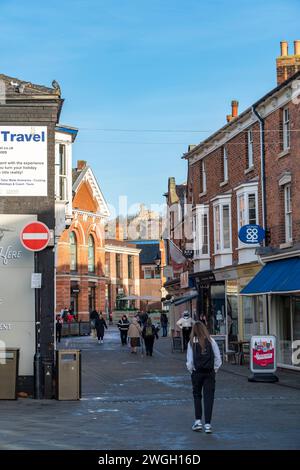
{"x":78,"y":176}
{"x":150,"y":251}
{"x":72,"y":131}
{"x":18,"y":88}
{"x":223,"y":129}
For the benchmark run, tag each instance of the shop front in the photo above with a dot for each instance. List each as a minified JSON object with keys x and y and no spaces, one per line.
{"x":274,"y":293}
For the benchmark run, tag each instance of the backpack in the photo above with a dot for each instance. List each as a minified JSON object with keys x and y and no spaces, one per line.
{"x":149,"y":331}
{"x":203,"y":359}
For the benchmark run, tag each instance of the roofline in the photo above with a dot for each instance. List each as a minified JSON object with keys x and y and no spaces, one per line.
{"x":188,"y":155}
{"x":73,"y":131}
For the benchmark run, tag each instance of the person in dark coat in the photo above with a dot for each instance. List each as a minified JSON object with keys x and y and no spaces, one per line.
{"x":59,"y":323}
{"x":100,"y":324}
{"x":149,"y":334}
{"x":164,"y":324}
{"x":123,"y":326}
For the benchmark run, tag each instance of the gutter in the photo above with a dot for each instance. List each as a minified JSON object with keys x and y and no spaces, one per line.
{"x":262,"y":166}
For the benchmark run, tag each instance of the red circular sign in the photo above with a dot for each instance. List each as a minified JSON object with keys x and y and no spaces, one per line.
{"x":35,"y":236}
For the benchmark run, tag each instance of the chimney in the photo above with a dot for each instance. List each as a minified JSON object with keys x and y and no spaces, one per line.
{"x":284,"y":48}
{"x":119,"y":230}
{"x":234,"y":108}
{"x":81,"y":164}
{"x":287,"y":65}
{"x":297,"y":47}
{"x":228,"y":117}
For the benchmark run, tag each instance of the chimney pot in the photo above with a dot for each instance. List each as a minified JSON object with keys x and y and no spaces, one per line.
{"x":284,"y":48}
{"x":234,"y":108}
{"x":297,"y":47}
{"x":81,"y":164}
{"x":228,"y":117}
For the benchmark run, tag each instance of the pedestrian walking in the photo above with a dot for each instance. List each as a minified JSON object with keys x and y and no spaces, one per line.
{"x":123,"y":326}
{"x":100,"y":324}
{"x":93,"y":317}
{"x":203,"y":362}
{"x":64,"y":313}
{"x":134,"y":333}
{"x":164,"y":324}
{"x":59,"y":324}
{"x":185,"y":324}
{"x":149,"y":334}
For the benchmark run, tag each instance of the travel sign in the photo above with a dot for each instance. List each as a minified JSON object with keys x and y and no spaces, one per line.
{"x":251,"y":234}
{"x":23,"y":161}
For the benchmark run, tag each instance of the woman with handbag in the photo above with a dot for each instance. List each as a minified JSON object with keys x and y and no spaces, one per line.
{"x":134,"y":333}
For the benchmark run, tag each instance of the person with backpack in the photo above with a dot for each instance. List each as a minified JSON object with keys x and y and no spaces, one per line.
{"x":123,"y":326}
{"x":203,"y":361}
{"x":149,"y":334}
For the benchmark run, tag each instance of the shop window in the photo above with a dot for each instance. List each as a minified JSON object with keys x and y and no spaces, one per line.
{"x":253,"y":314}
{"x":91,"y":254}
{"x":73,"y":252}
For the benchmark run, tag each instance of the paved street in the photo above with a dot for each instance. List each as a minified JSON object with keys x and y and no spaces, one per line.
{"x":135,"y":402}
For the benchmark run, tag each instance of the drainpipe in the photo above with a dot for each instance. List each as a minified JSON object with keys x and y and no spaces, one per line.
{"x":263,"y":194}
{"x":262,"y":166}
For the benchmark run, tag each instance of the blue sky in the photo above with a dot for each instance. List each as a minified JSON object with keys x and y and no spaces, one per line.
{"x":145,"y":65}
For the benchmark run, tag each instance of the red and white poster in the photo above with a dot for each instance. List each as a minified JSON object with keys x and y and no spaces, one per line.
{"x":263,"y":354}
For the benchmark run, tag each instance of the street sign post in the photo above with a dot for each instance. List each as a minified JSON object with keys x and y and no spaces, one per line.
{"x":35,"y":236}
{"x":263,"y":359}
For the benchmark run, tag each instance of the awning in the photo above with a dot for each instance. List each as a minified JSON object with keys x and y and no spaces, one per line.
{"x":276,"y":277}
{"x":184,"y":299}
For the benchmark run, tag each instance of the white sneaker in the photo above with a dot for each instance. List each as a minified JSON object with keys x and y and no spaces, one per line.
{"x":197,"y":426}
{"x":207,"y":428}
{"x":102,"y":341}
{"x":99,"y":341}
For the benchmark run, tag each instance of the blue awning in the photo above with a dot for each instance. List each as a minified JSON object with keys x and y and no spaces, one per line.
{"x":186,"y":298}
{"x":276,"y":277}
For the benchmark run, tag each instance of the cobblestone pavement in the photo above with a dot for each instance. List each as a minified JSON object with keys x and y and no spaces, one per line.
{"x":138,"y":402}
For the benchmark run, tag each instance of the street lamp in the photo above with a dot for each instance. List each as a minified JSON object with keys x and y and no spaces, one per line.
{"x":157,"y":260}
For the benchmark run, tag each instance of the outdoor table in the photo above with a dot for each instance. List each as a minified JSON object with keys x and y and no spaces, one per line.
{"x":240,"y":345}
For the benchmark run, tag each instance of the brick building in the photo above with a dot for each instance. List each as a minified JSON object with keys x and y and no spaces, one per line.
{"x":32,"y":110}
{"x":247,"y":172}
{"x":80,"y":278}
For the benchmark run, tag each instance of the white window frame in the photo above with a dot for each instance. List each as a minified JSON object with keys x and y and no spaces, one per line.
{"x":286,"y":128}
{"x":219,"y":205}
{"x":200,"y":212}
{"x":244,"y":192}
{"x":288,"y":214}
{"x":63,"y":175}
{"x":225,"y":165}
{"x":250,"y":162}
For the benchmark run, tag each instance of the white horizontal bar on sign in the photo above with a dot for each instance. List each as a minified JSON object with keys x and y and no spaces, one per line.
{"x":35,"y":236}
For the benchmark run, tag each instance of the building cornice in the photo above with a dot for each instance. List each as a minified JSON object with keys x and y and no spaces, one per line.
{"x":121,"y":249}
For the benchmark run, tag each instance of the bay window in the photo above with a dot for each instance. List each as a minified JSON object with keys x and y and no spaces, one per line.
{"x":201,"y":231}
{"x":222,"y":224}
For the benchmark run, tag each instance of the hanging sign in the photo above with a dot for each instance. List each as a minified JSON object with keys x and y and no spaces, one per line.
{"x":251,"y":234}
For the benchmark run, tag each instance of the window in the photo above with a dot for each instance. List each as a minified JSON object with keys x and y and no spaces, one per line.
{"x":286,"y":129}
{"x":91,"y":254}
{"x":148,"y":273}
{"x":222,"y":225}
{"x":202,"y":177}
{"x":63,"y":195}
{"x":288,"y":213}
{"x":225,"y":165}
{"x":247,"y":205}
{"x":73,"y":252}
{"x":200,"y":231}
{"x":250,"y":148}
{"x":130,"y":267}
{"x":118,"y":265}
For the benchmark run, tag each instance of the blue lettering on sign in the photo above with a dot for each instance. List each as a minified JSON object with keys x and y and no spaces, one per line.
{"x":7,"y":136}
{"x":251,"y":234}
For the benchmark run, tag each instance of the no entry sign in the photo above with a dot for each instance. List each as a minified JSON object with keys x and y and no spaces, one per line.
{"x":35,"y":236}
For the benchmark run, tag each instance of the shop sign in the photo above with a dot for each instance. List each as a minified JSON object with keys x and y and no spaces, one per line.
{"x":251,"y":234}
{"x":263,"y":354}
{"x":23,"y":161}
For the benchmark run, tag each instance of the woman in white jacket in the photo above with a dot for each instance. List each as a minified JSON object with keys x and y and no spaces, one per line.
{"x":203,"y":361}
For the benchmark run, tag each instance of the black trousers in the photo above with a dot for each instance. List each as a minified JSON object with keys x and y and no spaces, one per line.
{"x":204,"y":381}
{"x":149,"y":342}
{"x":186,"y":333}
{"x":58,"y":334}
{"x":123,"y":334}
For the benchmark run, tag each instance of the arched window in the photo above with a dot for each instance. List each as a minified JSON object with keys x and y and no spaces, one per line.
{"x":73,"y":252}
{"x":91,"y":254}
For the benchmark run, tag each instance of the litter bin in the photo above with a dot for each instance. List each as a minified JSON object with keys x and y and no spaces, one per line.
{"x":68,"y":376}
{"x":9,"y":369}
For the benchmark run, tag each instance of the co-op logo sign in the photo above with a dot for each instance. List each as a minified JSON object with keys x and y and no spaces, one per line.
{"x":9,"y":137}
{"x":251,"y":234}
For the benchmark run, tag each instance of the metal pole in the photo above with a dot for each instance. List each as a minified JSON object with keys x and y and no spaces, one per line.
{"x":37,"y":356}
